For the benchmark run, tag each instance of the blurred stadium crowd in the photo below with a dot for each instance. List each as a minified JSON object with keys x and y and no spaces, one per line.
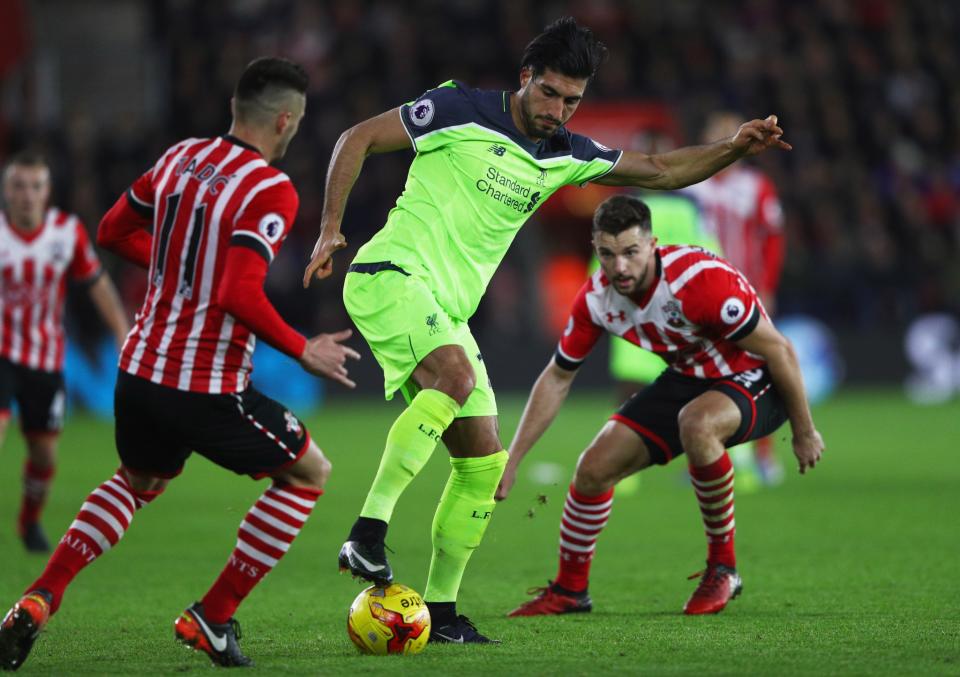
{"x":866,"y":90}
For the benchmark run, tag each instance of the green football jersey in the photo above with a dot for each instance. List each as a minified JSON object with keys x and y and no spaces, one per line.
{"x":474,"y":182}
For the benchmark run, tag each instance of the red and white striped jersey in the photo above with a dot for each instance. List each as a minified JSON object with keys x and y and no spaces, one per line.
{"x":740,"y":206}
{"x":203,"y":195}
{"x":34,"y":267}
{"x":694,"y":311}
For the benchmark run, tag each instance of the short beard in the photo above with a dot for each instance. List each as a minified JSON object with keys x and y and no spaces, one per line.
{"x":530,"y":122}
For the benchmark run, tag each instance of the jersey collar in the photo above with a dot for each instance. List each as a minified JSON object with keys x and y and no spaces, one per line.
{"x":238,"y":142}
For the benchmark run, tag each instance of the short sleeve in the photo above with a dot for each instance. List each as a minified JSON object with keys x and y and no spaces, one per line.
{"x":264,"y":222}
{"x":430,"y":120}
{"x":591,"y":159}
{"x":581,"y":334}
{"x":84,"y":265}
{"x":724,"y":301}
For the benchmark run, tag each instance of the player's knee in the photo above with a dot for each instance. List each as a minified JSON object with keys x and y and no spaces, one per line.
{"x":323,"y":471}
{"x":42,"y":449}
{"x":696,"y":426}
{"x":592,"y":476}
{"x":311,"y":472}
{"x":145,"y":487}
{"x":460,"y":384}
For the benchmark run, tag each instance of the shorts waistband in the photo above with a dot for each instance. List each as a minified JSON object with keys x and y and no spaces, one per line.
{"x":376,"y":267}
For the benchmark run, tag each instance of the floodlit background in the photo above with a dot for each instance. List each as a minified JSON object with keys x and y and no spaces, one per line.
{"x":850,"y":569}
{"x":865,"y":89}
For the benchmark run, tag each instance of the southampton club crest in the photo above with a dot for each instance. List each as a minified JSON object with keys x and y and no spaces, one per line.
{"x":293,"y":425}
{"x":674,"y":317}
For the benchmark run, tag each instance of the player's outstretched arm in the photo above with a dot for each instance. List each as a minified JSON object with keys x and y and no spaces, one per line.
{"x":104,"y":296}
{"x":693,"y":164}
{"x":380,"y":134}
{"x":781,"y":359}
{"x":546,"y":397}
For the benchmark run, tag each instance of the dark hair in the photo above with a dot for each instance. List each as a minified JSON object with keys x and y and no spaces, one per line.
{"x":620,"y":212}
{"x":263,"y":79}
{"x":566,"y":48}
{"x":28,"y":158}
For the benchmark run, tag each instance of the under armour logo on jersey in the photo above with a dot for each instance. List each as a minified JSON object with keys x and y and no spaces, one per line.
{"x":497,"y":150}
{"x":271,"y":227}
{"x":733,"y":310}
{"x":621,"y":316}
{"x":421,"y":113}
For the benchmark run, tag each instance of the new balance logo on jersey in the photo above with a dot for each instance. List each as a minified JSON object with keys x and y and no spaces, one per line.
{"x":497,"y":150}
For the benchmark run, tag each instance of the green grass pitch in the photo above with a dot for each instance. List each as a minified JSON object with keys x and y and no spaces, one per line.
{"x":852,"y":569}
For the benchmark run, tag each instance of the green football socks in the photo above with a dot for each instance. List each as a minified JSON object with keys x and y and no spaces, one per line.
{"x":410,"y":443}
{"x":460,"y":521}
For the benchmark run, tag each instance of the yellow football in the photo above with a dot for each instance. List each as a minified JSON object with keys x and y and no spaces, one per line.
{"x":390,"y":620}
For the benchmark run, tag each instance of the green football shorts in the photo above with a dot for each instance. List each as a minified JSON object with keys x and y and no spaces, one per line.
{"x":402,"y":323}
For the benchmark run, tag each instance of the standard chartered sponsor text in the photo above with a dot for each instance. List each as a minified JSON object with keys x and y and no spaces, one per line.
{"x":507,"y":190}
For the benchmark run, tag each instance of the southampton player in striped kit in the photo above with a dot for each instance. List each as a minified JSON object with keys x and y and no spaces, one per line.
{"x":485,"y":160}
{"x":732,"y":377}
{"x":217,"y":214}
{"x":41,"y":248}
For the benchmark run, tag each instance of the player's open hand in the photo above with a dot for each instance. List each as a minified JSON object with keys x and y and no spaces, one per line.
{"x":808,"y":448}
{"x":757,"y":136}
{"x":506,"y":483}
{"x":324,"y":355}
{"x":321,"y":261}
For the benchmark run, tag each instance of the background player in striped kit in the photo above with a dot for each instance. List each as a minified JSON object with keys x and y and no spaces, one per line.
{"x":219,"y":212}
{"x":742,"y":210}
{"x":41,"y":248}
{"x":732,"y":377}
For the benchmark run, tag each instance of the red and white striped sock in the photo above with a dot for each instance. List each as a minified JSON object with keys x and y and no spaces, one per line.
{"x":36,"y":486}
{"x":583,"y":519}
{"x":103,"y":519}
{"x":265,"y":535}
{"x":713,"y":485}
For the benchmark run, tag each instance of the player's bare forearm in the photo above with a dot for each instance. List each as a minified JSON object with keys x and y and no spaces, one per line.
{"x":107,"y":302}
{"x":693,"y":164}
{"x":380,"y":134}
{"x":676,"y":169}
{"x":546,"y":398}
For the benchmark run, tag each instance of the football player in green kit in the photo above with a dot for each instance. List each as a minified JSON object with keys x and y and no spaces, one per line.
{"x":485,"y":160}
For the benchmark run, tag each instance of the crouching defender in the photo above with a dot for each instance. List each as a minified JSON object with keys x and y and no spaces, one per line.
{"x":733,"y":377}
